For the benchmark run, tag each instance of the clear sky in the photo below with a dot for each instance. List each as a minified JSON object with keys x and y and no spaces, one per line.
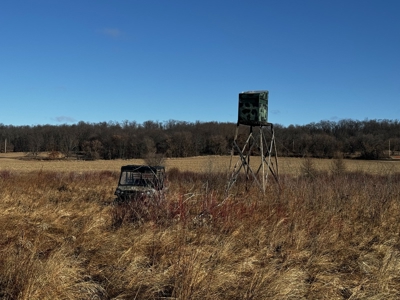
{"x":65,"y":61}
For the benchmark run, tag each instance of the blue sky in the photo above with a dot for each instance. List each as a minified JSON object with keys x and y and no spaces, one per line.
{"x":65,"y":61}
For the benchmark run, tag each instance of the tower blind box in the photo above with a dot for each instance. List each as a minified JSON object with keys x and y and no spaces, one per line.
{"x":253,"y":108}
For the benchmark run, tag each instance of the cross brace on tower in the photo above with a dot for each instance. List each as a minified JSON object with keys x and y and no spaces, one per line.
{"x":262,"y":144}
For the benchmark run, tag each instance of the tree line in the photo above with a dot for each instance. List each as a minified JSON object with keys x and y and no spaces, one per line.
{"x":368,"y":139}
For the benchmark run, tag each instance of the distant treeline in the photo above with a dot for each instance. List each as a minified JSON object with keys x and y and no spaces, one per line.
{"x":369,"y":139}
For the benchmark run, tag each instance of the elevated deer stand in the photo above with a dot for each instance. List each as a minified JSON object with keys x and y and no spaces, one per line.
{"x":253,"y":112}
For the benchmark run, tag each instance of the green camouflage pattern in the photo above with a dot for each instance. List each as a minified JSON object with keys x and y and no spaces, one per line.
{"x":253,"y":108}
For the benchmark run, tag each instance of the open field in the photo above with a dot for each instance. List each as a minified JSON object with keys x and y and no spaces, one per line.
{"x":319,"y":235}
{"x":292,"y":166}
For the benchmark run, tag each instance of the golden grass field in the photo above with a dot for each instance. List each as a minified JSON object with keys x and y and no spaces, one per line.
{"x":12,"y":161}
{"x":318,"y":235}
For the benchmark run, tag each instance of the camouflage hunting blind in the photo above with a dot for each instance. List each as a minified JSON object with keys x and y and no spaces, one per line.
{"x":253,"y":111}
{"x":253,"y":108}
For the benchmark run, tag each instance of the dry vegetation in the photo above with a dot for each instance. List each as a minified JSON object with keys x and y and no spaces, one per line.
{"x":329,"y":231}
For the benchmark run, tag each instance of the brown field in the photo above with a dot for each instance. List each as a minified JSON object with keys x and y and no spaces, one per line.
{"x":292,"y":166}
{"x":328,"y":231}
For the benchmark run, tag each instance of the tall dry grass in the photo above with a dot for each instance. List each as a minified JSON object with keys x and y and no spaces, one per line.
{"x":332,"y":235}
